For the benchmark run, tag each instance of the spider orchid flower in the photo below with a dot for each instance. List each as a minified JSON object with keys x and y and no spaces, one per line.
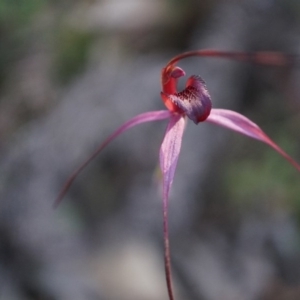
{"x":194,"y":102}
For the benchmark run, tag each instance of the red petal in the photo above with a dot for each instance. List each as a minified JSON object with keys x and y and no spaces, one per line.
{"x":169,"y":78}
{"x":241,"y":124}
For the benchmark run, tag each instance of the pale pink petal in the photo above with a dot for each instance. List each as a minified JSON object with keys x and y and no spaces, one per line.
{"x":141,"y":118}
{"x":170,"y":150}
{"x":169,"y":153}
{"x":241,"y":124}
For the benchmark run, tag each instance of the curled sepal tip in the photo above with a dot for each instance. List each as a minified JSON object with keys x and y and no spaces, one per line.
{"x":194,"y":100}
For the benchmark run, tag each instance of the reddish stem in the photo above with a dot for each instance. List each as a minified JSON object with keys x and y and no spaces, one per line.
{"x":167,"y":255}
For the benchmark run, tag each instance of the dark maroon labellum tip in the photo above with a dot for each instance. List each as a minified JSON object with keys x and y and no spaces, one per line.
{"x":194,"y":100}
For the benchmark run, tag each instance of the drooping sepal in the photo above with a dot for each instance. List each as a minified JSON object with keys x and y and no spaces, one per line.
{"x":139,"y":119}
{"x":239,"y":123}
{"x":194,"y":100}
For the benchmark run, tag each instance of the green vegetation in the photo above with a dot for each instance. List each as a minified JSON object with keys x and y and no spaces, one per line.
{"x":72,"y":50}
{"x":18,"y":12}
{"x":15,"y":16}
{"x":268,"y":181}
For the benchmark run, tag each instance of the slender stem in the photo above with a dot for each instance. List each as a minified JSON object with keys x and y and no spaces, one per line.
{"x":167,"y":257}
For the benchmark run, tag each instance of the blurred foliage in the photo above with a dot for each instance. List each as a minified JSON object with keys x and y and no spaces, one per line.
{"x":15,"y":16}
{"x":292,"y":7}
{"x":15,"y":23}
{"x":265,"y":180}
{"x":18,"y":12}
{"x":71,"y":52}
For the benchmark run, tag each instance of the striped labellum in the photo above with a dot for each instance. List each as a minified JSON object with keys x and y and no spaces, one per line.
{"x":194,"y":100}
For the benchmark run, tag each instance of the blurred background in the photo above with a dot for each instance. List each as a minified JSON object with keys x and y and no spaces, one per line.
{"x":73,"y":71}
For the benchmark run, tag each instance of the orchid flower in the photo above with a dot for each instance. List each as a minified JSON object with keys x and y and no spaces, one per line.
{"x":194,"y":102}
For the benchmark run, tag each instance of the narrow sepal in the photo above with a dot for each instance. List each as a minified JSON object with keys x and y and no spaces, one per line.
{"x":239,"y":123}
{"x":141,"y":118}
